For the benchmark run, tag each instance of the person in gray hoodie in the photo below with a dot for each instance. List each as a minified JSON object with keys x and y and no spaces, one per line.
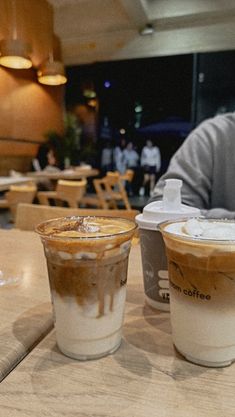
{"x":206,"y":164}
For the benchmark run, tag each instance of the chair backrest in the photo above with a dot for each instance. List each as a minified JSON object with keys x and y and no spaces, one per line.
{"x":128,"y":175}
{"x":100,"y":185}
{"x":20,"y":194}
{"x":116,"y":188}
{"x":71,"y":191}
{"x":29,"y":215}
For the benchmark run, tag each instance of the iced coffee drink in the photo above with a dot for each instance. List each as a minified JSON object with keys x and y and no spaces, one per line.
{"x":201,"y":264}
{"x":87,"y":260}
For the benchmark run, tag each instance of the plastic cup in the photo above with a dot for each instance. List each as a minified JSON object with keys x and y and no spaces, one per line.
{"x":202,"y":293}
{"x":87,"y":260}
{"x":153,"y":254}
{"x":154,"y":265}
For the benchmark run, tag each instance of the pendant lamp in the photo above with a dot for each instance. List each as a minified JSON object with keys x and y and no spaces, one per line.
{"x":14,"y":52}
{"x":52,"y":73}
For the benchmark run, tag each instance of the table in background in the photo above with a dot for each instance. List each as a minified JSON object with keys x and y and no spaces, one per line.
{"x":6,"y":182}
{"x":144,"y":378}
{"x":25,"y":308}
{"x":70,"y":174}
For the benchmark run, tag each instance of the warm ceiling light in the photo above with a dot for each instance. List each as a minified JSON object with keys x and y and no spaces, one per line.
{"x":15,"y":54}
{"x":52,"y":73}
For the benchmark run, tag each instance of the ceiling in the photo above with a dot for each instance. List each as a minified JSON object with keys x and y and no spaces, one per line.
{"x":105,"y":30}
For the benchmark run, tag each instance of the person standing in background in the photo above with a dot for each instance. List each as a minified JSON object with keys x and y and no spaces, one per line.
{"x":151,"y":162}
{"x":131,"y":160}
{"x":119,"y":159}
{"x":107,"y":158}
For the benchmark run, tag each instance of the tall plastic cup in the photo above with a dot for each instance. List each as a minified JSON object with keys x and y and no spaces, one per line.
{"x":201,"y":257}
{"x":153,"y":254}
{"x":87,"y":260}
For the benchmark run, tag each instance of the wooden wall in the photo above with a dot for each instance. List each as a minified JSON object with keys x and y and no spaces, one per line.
{"x":27,"y":109}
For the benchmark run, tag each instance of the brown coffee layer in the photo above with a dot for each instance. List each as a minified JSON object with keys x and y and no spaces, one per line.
{"x":88,"y":281}
{"x":208,"y":278}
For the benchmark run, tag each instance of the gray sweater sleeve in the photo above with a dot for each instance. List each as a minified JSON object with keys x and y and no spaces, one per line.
{"x":193,"y":164}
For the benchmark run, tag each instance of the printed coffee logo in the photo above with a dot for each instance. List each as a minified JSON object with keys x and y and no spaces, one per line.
{"x":190,"y":293}
{"x":163,"y":283}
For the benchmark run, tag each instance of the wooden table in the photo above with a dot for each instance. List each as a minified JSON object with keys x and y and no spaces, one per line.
{"x":75,"y":174}
{"x":25,"y":309}
{"x":6,"y":182}
{"x":144,"y":378}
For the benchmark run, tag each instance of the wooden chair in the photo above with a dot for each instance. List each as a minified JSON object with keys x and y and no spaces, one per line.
{"x":71,"y":192}
{"x":29,"y":215}
{"x":116,"y":190}
{"x":128,"y":175}
{"x":109,"y":190}
{"x":19,"y":194}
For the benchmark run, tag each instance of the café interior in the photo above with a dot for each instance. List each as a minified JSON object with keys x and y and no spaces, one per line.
{"x":42,"y":42}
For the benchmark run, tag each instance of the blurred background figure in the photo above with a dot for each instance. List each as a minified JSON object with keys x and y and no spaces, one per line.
{"x":41,"y":160}
{"x":119,"y":158}
{"x":52,"y":161}
{"x":107,"y":158}
{"x":151,"y":162}
{"x":131,"y":160}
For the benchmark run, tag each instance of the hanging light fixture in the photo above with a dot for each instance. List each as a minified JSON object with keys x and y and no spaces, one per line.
{"x":14,"y":52}
{"x":52,"y":72}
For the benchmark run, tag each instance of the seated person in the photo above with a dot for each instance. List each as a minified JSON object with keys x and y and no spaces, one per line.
{"x":52,"y":163}
{"x":206,"y":165}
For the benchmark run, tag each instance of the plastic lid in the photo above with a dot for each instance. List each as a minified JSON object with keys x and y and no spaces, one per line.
{"x":170,"y":208}
{"x":172,"y":195}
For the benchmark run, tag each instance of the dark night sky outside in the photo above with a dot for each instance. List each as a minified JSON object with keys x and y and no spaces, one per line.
{"x":163,"y":86}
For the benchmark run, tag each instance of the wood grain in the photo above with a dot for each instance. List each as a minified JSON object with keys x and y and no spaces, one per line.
{"x":25,"y":308}
{"x":144,"y":378}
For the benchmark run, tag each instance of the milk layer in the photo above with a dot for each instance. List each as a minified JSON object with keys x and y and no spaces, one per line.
{"x":205,"y":336}
{"x":81,"y":333}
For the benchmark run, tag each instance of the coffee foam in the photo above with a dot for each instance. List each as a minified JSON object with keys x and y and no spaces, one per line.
{"x":203,"y":229}
{"x":85,"y":234}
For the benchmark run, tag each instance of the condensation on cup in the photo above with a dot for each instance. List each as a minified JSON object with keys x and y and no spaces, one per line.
{"x":153,"y":254}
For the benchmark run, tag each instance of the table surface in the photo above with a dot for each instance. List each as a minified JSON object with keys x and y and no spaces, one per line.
{"x":6,"y":182}
{"x":146,"y":377}
{"x":70,"y":174}
{"x":25,"y":308}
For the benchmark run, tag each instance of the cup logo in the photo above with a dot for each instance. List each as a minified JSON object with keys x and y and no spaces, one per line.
{"x":163,"y":283}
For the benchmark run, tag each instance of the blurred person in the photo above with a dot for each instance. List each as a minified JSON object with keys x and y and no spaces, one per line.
{"x":40,"y":161}
{"x":52,"y":165}
{"x":131,"y":157}
{"x":119,"y":158}
{"x":151,"y":162}
{"x":107,"y":158}
{"x":131,"y":160}
{"x":205,"y":163}
{"x":52,"y":161}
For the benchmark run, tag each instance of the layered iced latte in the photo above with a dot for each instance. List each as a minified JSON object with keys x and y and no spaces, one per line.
{"x":87,"y":260}
{"x":201,"y":262}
